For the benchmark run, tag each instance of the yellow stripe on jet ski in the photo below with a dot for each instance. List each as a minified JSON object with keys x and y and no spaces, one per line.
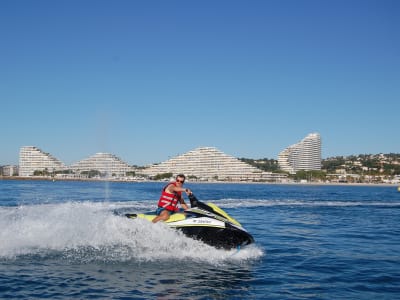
{"x":220,"y":211}
{"x":172,"y":218}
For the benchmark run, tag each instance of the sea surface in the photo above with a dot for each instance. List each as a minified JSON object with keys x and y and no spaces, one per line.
{"x":68,"y":240}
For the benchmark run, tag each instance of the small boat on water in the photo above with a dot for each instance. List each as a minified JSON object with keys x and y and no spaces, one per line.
{"x":207,"y":223}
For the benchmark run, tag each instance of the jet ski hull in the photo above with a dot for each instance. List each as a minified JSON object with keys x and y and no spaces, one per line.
{"x":218,"y":237}
{"x":207,"y":223}
{"x":216,"y":233}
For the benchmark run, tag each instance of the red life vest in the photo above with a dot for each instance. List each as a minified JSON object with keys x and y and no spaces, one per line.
{"x":169,"y":201}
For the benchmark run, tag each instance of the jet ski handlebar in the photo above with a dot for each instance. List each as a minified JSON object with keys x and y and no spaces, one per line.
{"x":193,"y":200}
{"x":196,"y":203}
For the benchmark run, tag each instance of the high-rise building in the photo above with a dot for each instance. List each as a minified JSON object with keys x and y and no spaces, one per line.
{"x":33,"y":159}
{"x":305,"y":155}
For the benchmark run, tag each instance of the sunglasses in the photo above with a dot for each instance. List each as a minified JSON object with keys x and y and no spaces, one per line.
{"x":181,"y":181}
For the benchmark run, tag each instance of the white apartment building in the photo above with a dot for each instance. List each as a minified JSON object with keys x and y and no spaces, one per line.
{"x":33,"y":159}
{"x":8,"y":170}
{"x":305,"y":155}
{"x":106,"y":163}
{"x":208,"y":164}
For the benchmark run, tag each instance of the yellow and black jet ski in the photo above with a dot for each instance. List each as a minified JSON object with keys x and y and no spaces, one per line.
{"x":207,"y":223}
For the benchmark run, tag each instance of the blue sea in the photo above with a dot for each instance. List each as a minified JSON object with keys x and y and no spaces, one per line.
{"x":63,"y":240}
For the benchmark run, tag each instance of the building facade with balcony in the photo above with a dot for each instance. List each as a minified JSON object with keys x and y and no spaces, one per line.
{"x":33,"y":159}
{"x":209,"y":164}
{"x":105,"y":163}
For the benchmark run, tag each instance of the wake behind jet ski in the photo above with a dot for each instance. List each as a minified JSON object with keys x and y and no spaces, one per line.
{"x":207,"y":223}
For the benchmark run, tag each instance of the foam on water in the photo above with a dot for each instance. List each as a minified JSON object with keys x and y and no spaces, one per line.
{"x":87,"y":231}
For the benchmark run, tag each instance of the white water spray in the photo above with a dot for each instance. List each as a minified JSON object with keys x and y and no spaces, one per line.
{"x":87,"y":231}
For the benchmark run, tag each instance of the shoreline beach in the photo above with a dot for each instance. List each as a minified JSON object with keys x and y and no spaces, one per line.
{"x":38,"y":178}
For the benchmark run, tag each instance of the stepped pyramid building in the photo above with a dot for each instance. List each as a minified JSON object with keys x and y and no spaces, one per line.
{"x":105,"y":163}
{"x":201,"y":164}
{"x":33,"y":159}
{"x":305,"y":155}
{"x":207,"y":164}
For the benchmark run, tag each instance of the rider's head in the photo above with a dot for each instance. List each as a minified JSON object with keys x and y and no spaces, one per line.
{"x":180,"y":178}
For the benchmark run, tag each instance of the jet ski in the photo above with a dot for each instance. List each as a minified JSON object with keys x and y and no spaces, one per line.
{"x":207,"y":223}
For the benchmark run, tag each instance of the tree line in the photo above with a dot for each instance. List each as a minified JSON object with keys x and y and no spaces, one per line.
{"x":363,"y":165}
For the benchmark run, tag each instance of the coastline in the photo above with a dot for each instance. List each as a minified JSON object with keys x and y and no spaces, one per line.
{"x":44,"y":178}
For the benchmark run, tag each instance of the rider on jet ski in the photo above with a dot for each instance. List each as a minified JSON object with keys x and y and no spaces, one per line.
{"x":170,"y":196}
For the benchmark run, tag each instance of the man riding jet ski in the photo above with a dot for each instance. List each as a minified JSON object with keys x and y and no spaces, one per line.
{"x":207,"y":223}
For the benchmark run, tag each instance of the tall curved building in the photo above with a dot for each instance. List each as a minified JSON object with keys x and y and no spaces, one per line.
{"x":305,"y":155}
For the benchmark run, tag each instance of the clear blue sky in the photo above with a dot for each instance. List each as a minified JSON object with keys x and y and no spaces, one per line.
{"x":148,"y":80}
